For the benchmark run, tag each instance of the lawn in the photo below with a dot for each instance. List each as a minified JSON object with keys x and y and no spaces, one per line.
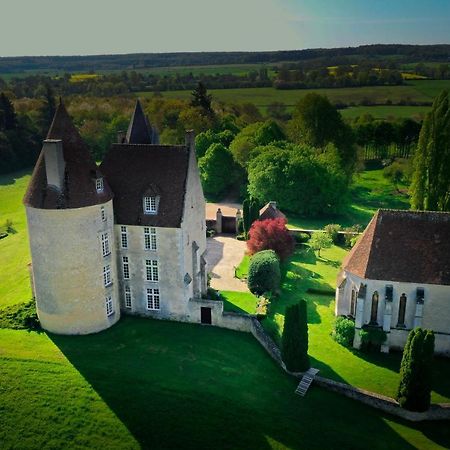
{"x":151,"y":384}
{"x":386,"y":112}
{"x":239,"y":301}
{"x":14,"y":250}
{"x":369,"y":192}
{"x":305,"y":271}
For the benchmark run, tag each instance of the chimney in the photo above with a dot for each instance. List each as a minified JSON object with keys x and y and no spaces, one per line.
{"x":54,"y":163}
{"x":189,"y":139}
{"x":121,"y":137}
{"x":273,"y":204}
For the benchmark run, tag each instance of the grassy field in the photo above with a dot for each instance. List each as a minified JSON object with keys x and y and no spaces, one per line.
{"x":386,"y":112}
{"x":150,"y":384}
{"x":239,"y":301}
{"x":14,"y":250}
{"x":305,"y":271}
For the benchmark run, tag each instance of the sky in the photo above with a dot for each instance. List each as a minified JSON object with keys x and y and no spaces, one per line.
{"x":80,"y":27}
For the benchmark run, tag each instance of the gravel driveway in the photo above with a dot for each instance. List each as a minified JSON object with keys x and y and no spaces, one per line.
{"x":223,"y":255}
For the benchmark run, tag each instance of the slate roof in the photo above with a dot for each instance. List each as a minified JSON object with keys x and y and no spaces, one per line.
{"x":404,"y":246}
{"x":134,"y":170}
{"x":80,"y":171}
{"x":139,"y":129}
{"x":270,"y":211}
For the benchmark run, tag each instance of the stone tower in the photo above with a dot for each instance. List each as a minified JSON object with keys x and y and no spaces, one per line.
{"x":71,"y":228}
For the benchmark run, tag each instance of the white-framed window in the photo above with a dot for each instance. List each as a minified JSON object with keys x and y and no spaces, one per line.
{"x":153,"y":298}
{"x":103,"y":213}
{"x":109,"y":305}
{"x":149,"y":238}
{"x":123,"y":236}
{"x":99,"y":184}
{"x":126,"y":268}
{"x":127,"y":297}
{"x":150,"y":205}
{"x":151,"y":268}
{"x":105,"y":244}
{"x":107,"y":275}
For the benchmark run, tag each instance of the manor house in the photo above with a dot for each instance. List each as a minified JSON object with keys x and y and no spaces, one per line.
{"x":127,"y":236}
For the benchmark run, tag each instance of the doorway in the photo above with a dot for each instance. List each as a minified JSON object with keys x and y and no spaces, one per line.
{"x":205,"y":315}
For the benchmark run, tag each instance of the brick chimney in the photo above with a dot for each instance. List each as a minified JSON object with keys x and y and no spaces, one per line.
{"x":54,"y":163}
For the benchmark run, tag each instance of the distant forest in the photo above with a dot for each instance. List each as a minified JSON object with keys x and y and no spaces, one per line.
{"x":337,"y":56}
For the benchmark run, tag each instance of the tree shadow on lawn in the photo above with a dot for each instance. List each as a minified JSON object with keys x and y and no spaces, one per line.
{"x":179,"y":385}
{"x":11,"y":178}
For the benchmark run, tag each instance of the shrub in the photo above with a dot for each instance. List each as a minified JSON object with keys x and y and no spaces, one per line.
{"x":301,"y":238}
{"x":20,"y":317}
{"x":332,"y":230}
{"x":344,"y":331}
{"x":294,"y":341}
{"x":264,"y":273}
{"x":372,"y":338}
{"x":350,"y":239}
{"x":414,"y":391}
{"x":319,"y":241}
{"x":271,"y":234}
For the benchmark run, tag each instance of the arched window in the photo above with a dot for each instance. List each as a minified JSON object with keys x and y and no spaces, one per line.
{"x":353,"y":303}
{"x":374,"y":310}
{"x":401,"y":311}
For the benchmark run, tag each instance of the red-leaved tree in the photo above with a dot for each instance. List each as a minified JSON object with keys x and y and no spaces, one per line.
{"x":271,"y":234}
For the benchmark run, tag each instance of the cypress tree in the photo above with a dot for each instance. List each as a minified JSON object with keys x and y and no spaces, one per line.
{"x":431,"y":178}
{"x":246,"y":215}
{"x":202,"y":99}
{"x":416,"y":371}
{"x":294,"y":342}
{"x":8,"y":118}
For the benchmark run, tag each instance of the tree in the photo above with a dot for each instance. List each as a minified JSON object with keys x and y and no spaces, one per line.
{"x":298,"y":179}
{"x":217,"y":169}
{"x":319,"y":241}
{"x":271,"y":234}
{"x":8,"y":118}
{"x":316,"y":122}
{"x":294,"y":341}
{"x":47,"y":111}
{"x":201,"y":98}
{"x":264,"y":273}
{"x":250,"y":212}
{"x":430,"y":186}
{"x":414,"y":391}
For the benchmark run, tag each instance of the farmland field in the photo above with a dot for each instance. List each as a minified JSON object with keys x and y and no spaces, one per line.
{"x":385,"y":112}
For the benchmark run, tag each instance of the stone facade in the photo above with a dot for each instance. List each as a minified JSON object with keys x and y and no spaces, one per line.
{"x":425,"y":305}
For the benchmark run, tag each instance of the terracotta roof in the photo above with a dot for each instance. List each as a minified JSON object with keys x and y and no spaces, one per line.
{"x":405,"y":246}
{"x":133,"y":170}
{"x":80,"y":171}
{"x":270,"y":211}
{"x":139,"y":129}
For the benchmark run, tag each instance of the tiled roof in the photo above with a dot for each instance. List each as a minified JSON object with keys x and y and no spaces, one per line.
{"x":139,"y":130}
{"x":80,"y":171}
{"x":270,"y":211}
{"x":134,"y":170}
{"x":404,"y":246}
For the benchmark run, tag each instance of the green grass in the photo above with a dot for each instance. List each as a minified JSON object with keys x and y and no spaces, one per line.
{"x":386,"y":112}
{"x":242,"y":302}
{"x":14,"y":250}
{"x":242,"y":269}
{"x":369,"y":192}
{"x":305,"y":271}
{"x":150,"y":384}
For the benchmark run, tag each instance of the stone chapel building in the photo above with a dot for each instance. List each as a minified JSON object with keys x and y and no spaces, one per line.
{"x":397,"y":277}
{"x":128,"y":236}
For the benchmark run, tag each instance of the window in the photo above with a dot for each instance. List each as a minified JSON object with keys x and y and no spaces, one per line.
{"x":103,"y":213}
{"x":99,"y":185}
{"x":151,"y":266}
{"x":374,"y":310}
{"x":105,"y":244}
{"x":126,"y":268}
{"x":109,"y":305}
{"x":149,"y":238}
{"x":150,"y":205}
{"x":107,"y":275}
{"x":127,"y":297}
{"x":353,"y":303}
{"x":123,"y":237}
{"x":152,"y":298}
{"x":401,"y":311}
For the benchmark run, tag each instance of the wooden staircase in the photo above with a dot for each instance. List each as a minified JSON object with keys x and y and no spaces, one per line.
{"x":306,"y":381}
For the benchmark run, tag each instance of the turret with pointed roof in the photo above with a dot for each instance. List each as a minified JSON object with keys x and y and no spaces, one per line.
{"x":80,"y":171}
{"x":139,"y":129}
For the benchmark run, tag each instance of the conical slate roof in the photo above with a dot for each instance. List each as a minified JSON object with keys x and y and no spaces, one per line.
{"x":80,"y":171}
{"x":139,"y":130}
{"x":404,"y":246}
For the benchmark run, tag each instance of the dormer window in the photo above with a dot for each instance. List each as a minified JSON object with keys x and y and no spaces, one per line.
{"x":99,"y":185}
{"x":150,"y":205}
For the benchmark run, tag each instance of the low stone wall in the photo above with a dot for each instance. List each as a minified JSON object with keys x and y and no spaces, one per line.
{"x":266,"y":341}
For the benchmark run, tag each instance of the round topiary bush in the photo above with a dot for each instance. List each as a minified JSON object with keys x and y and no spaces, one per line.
{"x":264,"y":272}
{"x":344,"y":331}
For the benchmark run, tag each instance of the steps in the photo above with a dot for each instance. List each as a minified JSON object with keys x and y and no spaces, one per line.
{"x":306,"y":381}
